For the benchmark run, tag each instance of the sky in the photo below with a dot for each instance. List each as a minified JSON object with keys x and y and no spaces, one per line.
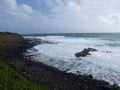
{"x":60,"y":16}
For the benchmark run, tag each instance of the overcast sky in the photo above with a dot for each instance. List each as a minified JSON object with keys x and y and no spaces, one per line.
{"x":60,"y":16}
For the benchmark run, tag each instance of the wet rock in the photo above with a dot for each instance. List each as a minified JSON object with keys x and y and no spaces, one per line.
{"x":48,"y":42}
{"x":85,"y":52}
{"x":92,"y":49}
{"x":107,"y":51}
{"x":82,"y":53}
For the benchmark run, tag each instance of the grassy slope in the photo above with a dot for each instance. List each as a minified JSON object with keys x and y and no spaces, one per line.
{"x":9,"y":78}
{"x":9,"y":38}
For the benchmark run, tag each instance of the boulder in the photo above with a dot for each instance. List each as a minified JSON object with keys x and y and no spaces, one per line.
{"x":92,"y":49}
{"x":85,"y":52}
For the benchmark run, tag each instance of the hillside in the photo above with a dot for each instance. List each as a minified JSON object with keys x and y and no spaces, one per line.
{"x":11,"y":44}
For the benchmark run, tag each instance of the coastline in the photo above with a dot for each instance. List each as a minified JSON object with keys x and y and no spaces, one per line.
{"x":41,"y":73}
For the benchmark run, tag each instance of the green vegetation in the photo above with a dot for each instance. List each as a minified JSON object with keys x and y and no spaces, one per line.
{"x":9,"y":78}
{"x":7,"y":38}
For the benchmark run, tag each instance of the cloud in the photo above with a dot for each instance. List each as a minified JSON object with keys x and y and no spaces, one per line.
{"x":88,"y":16}
{"x":25,"y":8}
{"x":68,"y":8}
{"x":111,"y":18}
{"x":62,"y":15}
{"x":10,"y":7}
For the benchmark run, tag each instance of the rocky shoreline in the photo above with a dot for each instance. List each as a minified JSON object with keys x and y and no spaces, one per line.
{"x":41,"y":73}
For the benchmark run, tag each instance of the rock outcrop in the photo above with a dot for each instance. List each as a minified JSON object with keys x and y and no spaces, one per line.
{"x":85,"y":52}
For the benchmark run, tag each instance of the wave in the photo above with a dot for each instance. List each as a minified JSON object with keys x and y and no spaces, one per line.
{"x":103,"y":64}
{"x":80,"y":40}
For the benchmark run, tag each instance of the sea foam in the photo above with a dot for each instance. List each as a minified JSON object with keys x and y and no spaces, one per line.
{"x":103,"y":64}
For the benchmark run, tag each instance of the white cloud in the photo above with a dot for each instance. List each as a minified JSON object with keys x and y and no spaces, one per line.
{"x":88,"y":16}
{"x":10,"y":7}
{"x":111,"y":18}
{"x":67,"y":15}
{"x":82,"y":15}
{"x":25,"y":8}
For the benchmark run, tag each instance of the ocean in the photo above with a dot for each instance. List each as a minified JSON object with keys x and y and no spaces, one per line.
{"x":103,"y":64}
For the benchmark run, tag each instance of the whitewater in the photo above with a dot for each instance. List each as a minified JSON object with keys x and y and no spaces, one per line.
{"x":102,"y":65}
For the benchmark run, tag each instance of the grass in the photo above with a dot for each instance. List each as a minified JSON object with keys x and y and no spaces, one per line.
{"x":11,"y":80}
{"x":9,"y":38}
